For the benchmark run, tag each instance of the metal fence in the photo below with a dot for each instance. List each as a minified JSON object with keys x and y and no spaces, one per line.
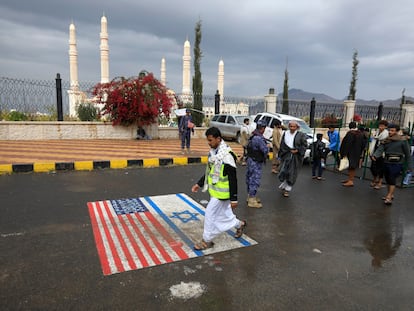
{"x":35,"y":96}
{"x":39,"y":97}
{"x":301,"y":109}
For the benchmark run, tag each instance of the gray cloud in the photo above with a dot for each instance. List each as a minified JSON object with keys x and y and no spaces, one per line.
{"x":254,"y":38}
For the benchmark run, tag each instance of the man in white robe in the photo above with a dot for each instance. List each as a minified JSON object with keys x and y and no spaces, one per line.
{"x":221,"y":181}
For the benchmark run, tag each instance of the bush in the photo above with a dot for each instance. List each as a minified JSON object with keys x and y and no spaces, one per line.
{"x":16,"y":116}
{"x":330,"y":120}
{"x":87,"y":112}
{"x":136,"y":100}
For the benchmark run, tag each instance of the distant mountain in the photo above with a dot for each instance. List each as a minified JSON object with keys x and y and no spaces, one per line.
{"x":301,"y":95}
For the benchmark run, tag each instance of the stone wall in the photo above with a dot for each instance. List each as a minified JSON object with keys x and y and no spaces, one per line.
{"x":22,"y":130}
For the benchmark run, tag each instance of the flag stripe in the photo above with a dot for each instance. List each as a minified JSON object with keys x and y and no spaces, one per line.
{"x":144,"y":242}
{"x":117,"y":265}
{"x":173,"y":226}
{"x":154,"y":239}
{"x":98,"y":239}
{"x":126,"y":237}
{"x":140,"y":258}
{"x":186,"y":200}
{"x":176,"y":247}
{"x":123,"y":251}
{"x":143,"y":237}
{"x":106,"y":243}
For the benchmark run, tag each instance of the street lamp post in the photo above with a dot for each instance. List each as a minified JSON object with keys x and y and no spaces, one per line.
{"x":312,"y":113}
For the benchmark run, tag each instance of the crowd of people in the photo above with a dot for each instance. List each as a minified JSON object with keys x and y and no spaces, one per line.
{"x":389,"y":151}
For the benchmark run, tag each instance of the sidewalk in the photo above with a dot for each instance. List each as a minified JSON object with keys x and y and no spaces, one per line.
{"x":55,"y":155}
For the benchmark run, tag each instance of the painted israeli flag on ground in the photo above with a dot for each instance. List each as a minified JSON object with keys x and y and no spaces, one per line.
{"x":143,"y":232}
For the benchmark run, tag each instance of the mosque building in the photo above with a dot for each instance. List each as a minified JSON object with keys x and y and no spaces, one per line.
{"x":76,"y":96}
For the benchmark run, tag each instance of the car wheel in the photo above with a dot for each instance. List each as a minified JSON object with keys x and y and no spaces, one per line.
{"x":238,"y":137}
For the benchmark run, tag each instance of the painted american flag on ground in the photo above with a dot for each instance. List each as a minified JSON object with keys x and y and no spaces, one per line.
{"x":143,"y":232}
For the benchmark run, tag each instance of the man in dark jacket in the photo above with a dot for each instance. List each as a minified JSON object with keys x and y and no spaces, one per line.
{"x":318,"y":157}
{"x":397,"y":152}
{"x":186,"y":127}
{"x":352,"y":147}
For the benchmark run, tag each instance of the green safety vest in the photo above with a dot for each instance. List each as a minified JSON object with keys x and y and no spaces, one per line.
{"x":221,"y":189}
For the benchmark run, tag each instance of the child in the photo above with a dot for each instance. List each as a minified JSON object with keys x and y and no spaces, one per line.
{"x":221,"y":180}
{"x":318,"y":157}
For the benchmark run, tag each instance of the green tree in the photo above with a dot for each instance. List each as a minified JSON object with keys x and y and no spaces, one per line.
{"x":352,"y":87}
{"x":197,"y":81}
{"x":285,"y":105}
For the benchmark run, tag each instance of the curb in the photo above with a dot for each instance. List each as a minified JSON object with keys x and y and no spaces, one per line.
{"x":44,"y":167}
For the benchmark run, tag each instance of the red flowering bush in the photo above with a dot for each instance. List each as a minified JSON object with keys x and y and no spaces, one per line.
{"x":357,"y":118}
{"x":136,"y":100}
{"x":330,"y":120}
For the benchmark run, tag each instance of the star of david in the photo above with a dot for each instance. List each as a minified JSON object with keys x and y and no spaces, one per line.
{"x":185,"y":216}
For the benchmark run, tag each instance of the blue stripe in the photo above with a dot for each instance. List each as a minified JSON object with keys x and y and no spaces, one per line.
{"x":173,"y":226}
{"x":186,"y":200}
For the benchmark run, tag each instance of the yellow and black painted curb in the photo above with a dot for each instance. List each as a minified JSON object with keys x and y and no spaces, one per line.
{"x":42,"y":167}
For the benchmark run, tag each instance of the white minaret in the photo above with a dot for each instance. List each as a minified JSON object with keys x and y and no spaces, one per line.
{"x":104,"y":51}
{"x":220,"y":79}
{"x":163,"y":72}
{"x":186,"y":68}
{"x":73,"y":59}
{"x":75,"y":95}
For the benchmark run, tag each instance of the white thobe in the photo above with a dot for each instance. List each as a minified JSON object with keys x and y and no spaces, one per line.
{"x":219,"y":217}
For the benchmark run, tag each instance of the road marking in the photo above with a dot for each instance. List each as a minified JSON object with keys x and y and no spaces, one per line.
{"x":148,"y":231}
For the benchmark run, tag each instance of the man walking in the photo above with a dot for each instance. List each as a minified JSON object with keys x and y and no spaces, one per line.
{"x":397,"y":152}
{"x":352,"y":147}
{"x":221,"y":181}
{"x":257,"y":152}
{"x":377,"y":166}
{"x":276,"y":138}
{"x":186,"y":127}
{"x":292,"y":150}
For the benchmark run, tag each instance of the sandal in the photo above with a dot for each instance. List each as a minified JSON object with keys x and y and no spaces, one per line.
{"x":286,"y":194}
{"x":387,"y":202}
{"x":377,"y":187}
{"x":239,"y":231}
{"x":385,"y":198}
{"x":203,"y":245}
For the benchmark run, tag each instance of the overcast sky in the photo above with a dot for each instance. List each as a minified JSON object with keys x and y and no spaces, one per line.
{"x":253,"y":37}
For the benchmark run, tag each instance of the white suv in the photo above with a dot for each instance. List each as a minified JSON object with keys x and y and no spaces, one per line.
{"x":270,"y":119}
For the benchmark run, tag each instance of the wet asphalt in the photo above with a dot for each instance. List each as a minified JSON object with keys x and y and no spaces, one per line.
{"x":325,"y":247}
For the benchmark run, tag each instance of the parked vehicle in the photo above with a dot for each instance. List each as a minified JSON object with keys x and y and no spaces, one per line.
{"x":229,"y":125}
{"x":270,"y":119}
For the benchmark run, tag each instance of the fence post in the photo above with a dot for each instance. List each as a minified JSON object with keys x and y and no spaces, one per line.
{"x":312,"y":113}
{"x":217,"y":103}
{"x":59,"y":97}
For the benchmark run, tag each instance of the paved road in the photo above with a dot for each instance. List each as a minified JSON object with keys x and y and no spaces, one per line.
{"x":323,"y":248}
